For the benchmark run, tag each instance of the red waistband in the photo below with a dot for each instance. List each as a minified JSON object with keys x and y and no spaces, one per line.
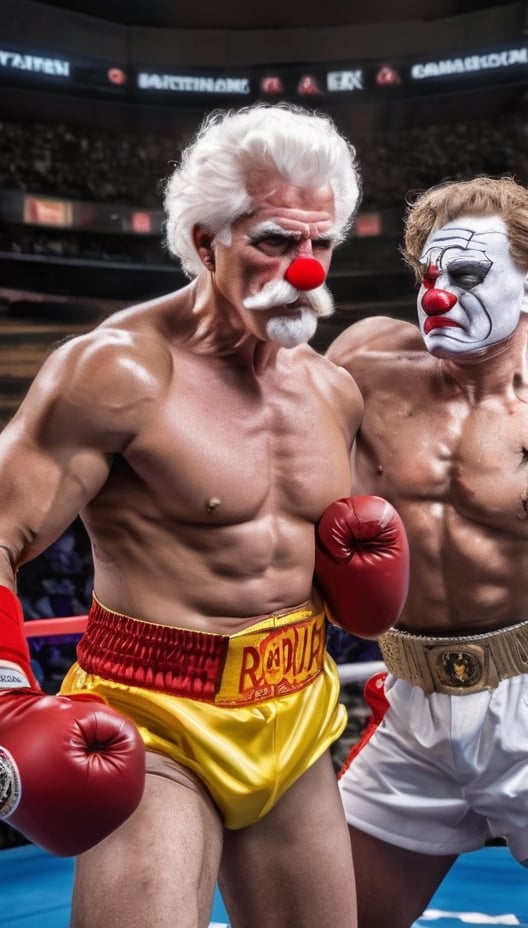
{"x":281,"y":655}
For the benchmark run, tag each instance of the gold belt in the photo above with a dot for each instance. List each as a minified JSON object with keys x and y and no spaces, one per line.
{"x":456,"y":665}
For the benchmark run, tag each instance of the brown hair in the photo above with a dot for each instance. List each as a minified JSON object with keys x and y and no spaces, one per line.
{"x":481,"y":196}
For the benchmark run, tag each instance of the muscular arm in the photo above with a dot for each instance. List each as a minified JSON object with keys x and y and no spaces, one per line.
{"x":56,"y":452}
{"x":54,"y":456}
{"x":370,"y":350}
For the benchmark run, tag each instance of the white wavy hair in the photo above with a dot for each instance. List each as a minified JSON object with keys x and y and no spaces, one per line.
{"x":208,"y":187}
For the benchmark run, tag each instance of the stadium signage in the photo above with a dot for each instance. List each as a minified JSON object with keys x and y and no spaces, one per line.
{"x":345,"y":80}
{"x":56,"y":67}
{"x":187,"y":83}
{"x":470,"y":64}
{"x":370,"y":81}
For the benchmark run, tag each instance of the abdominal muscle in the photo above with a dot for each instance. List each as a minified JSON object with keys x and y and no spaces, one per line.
{"x":466,"y":577}
{"x":220,"y":579}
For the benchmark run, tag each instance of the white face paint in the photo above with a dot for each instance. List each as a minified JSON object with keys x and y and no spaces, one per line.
{"x":472,"y":292}
{"x":298,"y":326}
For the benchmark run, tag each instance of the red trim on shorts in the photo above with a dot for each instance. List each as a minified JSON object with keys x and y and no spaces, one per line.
{"x":179,"y":661}
{"x":378,"y":703}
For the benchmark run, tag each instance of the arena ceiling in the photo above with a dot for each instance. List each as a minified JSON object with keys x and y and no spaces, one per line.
{"x":247,"y":30}
{"x":271,"y":14}
{"x":244,"y":33}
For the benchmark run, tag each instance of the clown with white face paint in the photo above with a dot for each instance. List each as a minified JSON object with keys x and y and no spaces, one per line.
{"x":444,"y":436}
{"x":472,"y":291}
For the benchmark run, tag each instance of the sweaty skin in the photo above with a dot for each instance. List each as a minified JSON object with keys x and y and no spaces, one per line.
{"x":200,"y":454}
{"x":445,"y":439}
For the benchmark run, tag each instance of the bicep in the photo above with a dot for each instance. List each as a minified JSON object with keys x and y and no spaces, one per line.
{"x":51,"y":462}
{"x":47,"y":475}
{"x":86,"y":404}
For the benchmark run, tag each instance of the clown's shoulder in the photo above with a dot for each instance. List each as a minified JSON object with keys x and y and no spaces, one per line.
{"x":375,"y":334}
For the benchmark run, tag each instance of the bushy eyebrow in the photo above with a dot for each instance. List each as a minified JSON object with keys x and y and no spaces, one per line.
{"x":270,"y":228}
{"x":273,"y":228}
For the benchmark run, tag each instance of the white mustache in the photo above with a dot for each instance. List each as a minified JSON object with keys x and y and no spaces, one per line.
{"x":281,"y":293}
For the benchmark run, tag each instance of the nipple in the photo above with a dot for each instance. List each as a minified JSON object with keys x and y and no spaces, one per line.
{"x":212,"y":503}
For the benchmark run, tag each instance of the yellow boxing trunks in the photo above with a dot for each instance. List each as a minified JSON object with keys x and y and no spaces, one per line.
{"x":247,"y":713}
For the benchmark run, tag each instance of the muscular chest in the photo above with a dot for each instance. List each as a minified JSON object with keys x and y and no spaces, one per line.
{"x":217,"y":449}
{"x":473,"y":457}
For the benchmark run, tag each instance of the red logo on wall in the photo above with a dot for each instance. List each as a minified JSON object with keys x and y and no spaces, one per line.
{"x":116,"y":76}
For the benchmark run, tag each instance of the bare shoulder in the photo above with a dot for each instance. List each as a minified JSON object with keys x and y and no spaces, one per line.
{"x":378,"y":334}
{"x":104,"y":379}
{"x":337,"y":389}
{"x":330,"y":376}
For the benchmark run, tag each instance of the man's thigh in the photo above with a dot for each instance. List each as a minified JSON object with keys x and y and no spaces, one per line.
{"x":293,"y":869}
{"x":159,"y":868}
{"x":394,"y":885}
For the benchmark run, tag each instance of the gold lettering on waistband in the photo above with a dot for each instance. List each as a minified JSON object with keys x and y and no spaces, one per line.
{"x":278,"y":655}
{"x":274,"y":664}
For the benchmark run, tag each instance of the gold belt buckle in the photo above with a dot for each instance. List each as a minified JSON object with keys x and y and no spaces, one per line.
{"x":465,"y":667}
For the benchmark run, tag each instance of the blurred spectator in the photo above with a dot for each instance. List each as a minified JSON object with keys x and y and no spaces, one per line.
{"x":101,"y":166}
{"x":128,"y":169}
{"x":59,"y":582}
{"x":84,"y":163}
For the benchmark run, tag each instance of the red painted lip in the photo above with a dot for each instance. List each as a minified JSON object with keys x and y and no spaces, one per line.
{"x":439,"y":322}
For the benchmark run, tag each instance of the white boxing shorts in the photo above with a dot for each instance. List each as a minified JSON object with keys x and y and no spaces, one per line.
{"x":442,"y":774}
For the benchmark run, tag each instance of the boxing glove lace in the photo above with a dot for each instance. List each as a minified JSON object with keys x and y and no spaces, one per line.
{"x":71,"y":768}
{"x":362,"y":564}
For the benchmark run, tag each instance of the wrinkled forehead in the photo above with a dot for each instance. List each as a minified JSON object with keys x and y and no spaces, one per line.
{"x":474,"y":235}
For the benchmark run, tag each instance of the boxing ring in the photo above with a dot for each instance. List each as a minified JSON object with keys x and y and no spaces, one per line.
{"x":484,"y":888}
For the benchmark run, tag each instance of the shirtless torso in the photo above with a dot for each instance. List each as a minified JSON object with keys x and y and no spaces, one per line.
{"x":447,"y":442}
{"x":444,"y":437}
{"x":201,"y":439}
{"x":199,"y":468}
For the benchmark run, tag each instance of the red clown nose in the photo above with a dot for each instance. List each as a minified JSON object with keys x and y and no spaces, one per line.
{"x":305,"y":274}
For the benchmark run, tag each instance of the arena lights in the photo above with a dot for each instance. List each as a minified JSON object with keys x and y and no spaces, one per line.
{"x":48,"y":211}
{"x":359,"y":82}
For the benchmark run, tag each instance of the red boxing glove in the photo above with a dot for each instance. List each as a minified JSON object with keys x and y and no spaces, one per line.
{"x":362,"y":564}
{"x":71,"y":768}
